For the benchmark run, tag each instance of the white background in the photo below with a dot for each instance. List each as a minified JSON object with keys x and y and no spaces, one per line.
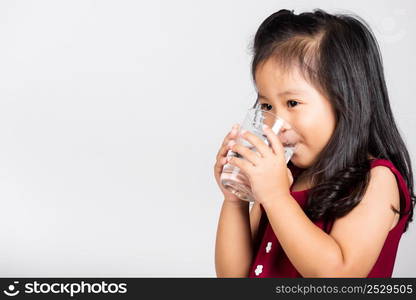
{"x":112,"y":113}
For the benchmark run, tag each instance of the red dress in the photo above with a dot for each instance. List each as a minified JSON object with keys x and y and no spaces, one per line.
{"x":270,"y":260}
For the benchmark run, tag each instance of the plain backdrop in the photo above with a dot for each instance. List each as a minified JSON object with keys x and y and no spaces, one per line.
{"x":112,"y":113}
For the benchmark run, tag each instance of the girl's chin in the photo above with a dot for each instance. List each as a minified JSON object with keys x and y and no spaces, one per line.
{"x":298,"y":161}
{"x":294,"y":159}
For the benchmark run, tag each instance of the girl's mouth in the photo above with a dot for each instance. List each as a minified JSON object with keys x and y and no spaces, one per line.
{"x":289,"y":138}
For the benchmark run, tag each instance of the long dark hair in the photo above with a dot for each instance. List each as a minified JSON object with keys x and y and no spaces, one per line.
{"x":340,"y":56}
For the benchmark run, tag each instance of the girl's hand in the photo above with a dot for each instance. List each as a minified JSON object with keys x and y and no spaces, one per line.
{"x":221,"y":161}
{"x":266,"y":169}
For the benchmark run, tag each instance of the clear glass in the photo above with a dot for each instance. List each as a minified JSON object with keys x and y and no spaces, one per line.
{"x":234,"y":179}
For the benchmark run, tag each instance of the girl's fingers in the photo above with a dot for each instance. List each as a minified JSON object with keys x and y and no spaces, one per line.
{"x":258,"y":143}
{"x":243,"y":164}
{"x":231,"y":135}
{"x":289,"y":174}
{"x":221,"y":155}
{"x":250,"y":155}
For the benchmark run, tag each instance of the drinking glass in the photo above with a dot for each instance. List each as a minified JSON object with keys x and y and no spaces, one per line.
{"x":234,"y":179}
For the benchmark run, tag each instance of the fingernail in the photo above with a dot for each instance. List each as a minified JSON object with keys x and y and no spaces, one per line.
{"x":230,"y":143}
{"x":265,"y":126}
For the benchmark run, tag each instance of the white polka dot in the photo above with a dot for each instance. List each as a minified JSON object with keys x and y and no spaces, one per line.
{"x":269,"y":247}
{"x":258,"y":269}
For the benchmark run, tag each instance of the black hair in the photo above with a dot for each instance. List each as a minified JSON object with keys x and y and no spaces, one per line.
{"x":340,"y":56}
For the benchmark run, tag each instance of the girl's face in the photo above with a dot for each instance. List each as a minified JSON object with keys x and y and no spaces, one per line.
{"x":309,"y":113}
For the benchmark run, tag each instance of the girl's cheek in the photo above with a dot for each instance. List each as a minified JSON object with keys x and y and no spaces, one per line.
{"x":300,"y":158}
{"x":304,"y":154}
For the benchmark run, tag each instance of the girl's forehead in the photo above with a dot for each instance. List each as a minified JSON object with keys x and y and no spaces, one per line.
{"x":273,"y":78}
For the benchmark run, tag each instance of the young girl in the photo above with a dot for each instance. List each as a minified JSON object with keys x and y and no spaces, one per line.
{"x":349,"y":194}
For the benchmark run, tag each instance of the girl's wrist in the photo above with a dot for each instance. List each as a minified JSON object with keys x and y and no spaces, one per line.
{"x":238,"y":203}
{"x":278,"y":198}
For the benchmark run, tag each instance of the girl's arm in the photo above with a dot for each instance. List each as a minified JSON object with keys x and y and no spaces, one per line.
{"x":255,"y":216}
{"x":355,"y":241}
{"x":233,"y":247}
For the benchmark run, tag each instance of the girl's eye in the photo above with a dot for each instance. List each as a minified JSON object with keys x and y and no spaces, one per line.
{"x":292,"y":103}
{"x":266,"y":106}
